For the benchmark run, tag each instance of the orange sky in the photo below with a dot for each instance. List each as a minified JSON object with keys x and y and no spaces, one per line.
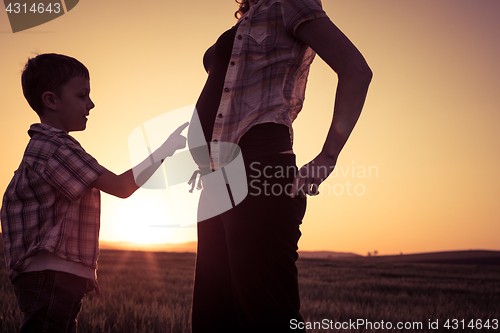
{"x":429,"y":130}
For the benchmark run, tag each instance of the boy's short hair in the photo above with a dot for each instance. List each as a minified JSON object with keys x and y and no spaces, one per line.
{"x":48,"y":72}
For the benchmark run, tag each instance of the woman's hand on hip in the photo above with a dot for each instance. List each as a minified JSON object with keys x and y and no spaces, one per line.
{"x":311,"y":175}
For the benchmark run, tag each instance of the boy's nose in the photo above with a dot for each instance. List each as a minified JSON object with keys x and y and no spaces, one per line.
{"x":92,"y":105}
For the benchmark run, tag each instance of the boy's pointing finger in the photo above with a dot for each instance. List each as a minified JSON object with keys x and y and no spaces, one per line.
{"x":181,"y":128}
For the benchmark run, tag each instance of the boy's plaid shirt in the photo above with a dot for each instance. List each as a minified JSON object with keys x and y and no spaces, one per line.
{"x":267,"y":73}
{"x":48,"y":204}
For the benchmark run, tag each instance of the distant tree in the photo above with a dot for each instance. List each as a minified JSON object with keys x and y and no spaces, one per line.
{"x":375,"y":252}
{"x":369,"y":254}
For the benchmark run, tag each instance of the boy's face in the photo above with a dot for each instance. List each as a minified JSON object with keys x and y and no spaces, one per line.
{"x":74,"y":104}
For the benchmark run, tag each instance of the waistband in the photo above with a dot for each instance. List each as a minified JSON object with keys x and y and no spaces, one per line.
{"x":265,"y":139}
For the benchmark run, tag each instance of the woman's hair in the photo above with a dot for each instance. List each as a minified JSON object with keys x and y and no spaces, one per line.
{"x":244,"y":7}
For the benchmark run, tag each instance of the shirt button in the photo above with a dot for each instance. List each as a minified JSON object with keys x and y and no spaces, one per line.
{"x":240,"y":37}
{"x":226,"y":89}
{"x":220,"y":115}
{"x":233,"y":63}
{"x":216,"y":141}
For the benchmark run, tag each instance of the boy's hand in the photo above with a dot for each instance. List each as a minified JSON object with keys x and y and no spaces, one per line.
{"x":92,"y":284}
{"x":175,"y":140}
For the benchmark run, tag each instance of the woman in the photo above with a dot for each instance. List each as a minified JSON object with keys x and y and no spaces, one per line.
{"x":246,"y":278}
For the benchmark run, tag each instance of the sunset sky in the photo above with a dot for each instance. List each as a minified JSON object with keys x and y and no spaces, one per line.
{"x":425,"y":152}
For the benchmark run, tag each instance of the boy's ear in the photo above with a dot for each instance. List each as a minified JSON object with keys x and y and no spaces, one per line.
{"x":49,"y":100}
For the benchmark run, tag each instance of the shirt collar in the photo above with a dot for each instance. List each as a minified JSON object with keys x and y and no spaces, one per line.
{"x":251,"y":10}
{"x":45,"y":129}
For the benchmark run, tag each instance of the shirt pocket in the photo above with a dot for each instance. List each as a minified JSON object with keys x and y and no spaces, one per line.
{"x":259,"y":43}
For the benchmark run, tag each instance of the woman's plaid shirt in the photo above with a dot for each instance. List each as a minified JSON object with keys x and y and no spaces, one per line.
{"x":49,"y":204}
{"x":267,"y":73}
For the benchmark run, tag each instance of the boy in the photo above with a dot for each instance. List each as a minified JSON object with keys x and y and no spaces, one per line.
{"x":51,"y":208}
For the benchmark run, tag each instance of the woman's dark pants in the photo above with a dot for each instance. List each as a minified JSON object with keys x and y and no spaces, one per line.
{"x":246,"y":278}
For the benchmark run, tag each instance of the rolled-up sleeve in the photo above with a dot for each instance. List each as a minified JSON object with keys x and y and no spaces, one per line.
{"x":296,"y":12}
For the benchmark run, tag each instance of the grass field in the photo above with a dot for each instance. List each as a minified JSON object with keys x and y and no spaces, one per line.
{"x":151,"y":292}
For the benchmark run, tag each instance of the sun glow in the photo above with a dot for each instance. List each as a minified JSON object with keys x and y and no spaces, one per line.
{"x":144,"y":218}
{"x":423,"y":114}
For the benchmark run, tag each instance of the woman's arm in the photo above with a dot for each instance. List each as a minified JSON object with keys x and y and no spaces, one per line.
{"x":127,"y":183}
{"x":354,"y":77}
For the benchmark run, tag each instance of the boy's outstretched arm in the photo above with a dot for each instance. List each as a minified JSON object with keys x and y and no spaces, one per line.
{"x":126,"y":184}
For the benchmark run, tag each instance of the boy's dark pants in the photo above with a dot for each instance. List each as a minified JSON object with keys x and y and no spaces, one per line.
{"x":50,"y":300}
{"x":246,"y":278}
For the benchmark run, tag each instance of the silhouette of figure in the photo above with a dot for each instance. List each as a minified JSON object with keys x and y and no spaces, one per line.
{"x":246,"y":277}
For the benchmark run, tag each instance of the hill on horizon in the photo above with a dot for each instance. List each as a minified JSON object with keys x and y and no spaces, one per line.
{"x":465,"y":257}
{"x":165,"y":247}
{"x":470,"y":257}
